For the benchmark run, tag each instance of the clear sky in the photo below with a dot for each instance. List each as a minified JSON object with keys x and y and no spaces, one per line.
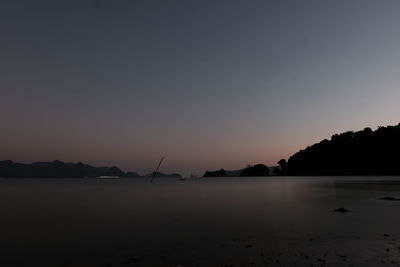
{"x":206,"y":84}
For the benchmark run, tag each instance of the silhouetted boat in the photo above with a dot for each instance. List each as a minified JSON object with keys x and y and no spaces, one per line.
{"x":108,"y":177}
{"x":156,"y":170}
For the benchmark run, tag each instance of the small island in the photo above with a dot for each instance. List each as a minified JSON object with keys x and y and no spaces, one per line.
{"x":249,"y":171}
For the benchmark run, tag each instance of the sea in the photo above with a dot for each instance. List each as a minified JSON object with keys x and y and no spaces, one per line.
{"x":232,"y":221}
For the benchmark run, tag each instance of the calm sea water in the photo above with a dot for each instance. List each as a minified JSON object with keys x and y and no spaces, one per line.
{"x":241,"y":221}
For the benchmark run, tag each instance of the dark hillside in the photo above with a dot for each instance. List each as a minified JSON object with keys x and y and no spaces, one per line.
{"x":364,"y":152}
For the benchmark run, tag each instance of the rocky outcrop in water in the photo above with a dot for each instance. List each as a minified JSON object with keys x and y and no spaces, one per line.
{"x":219,"y":173}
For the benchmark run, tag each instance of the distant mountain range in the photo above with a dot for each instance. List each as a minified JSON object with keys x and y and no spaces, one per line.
{"x":59,"y":169}
{"x":365,"y":152}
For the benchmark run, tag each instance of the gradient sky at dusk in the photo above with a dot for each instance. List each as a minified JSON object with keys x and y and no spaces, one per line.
{"x":206,"y":84}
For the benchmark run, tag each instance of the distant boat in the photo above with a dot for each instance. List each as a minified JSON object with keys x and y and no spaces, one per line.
{"x":156,"y":170}
{"x":108,"y":177}
{"x":191,"y":176}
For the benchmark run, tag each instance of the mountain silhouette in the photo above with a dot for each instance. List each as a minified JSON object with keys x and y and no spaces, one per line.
{"x":58,"y":169}
{"x":365,"y":152}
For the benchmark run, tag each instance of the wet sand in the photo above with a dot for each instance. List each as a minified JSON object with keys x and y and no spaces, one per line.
{"x":252,"y":252}
{"x":229,"y":222}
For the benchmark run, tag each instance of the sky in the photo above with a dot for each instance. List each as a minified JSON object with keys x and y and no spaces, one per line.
{"x":205,"y":84}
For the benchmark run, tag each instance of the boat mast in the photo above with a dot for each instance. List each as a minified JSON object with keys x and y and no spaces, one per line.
{"x":156,"y":170}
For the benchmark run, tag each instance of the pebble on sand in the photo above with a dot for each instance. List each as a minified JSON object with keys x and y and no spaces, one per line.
{"x":341,"y":210}
{"x":390,"y":198}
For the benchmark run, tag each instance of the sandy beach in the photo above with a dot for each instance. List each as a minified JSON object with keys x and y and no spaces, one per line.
{"x":275,"y":221}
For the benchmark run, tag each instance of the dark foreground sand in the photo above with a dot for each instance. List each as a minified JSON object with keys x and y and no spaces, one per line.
{"x":228,"y":222}
{"x":239,"y":251}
